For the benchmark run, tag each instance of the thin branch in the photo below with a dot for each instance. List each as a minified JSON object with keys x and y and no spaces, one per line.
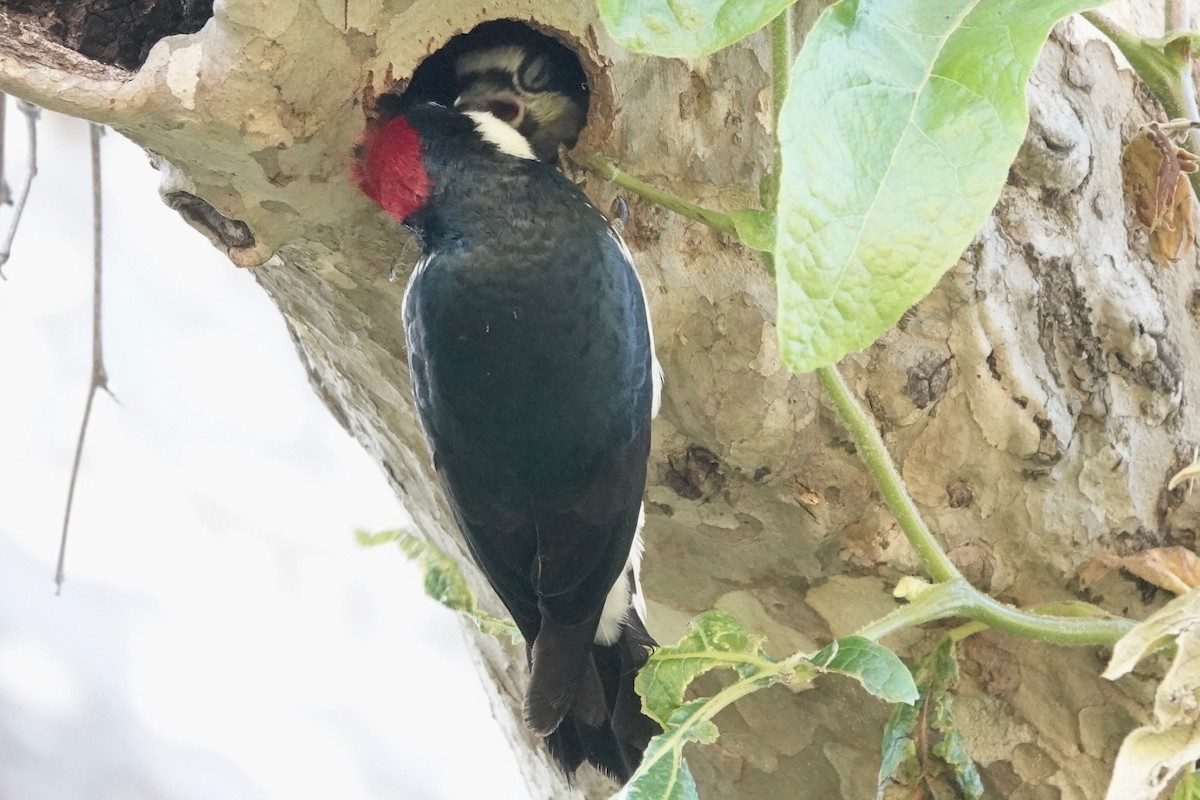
{"x":31,"y":113}
{"x":99,"y":378}
{"x":781,"y":66}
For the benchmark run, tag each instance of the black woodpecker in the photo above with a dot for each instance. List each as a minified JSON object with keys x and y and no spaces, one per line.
{"x":533,"y":369}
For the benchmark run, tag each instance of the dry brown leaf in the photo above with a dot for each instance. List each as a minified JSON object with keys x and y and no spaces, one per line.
{"x":1154,"y":173}
{"x":1175,"y":569}
{"x":1174,"y":239}
{"x":1098,"y":568}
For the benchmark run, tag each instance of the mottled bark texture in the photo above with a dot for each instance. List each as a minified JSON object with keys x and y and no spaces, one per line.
{"x":119,"y":33}
{"x":1037,"y":401}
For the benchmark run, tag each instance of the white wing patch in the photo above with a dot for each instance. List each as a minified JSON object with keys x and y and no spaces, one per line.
{"x":501,"y":134}
{"x":635,"y":565}
{"x":656,"y":378}
{"x":626,"y":593}
{"x":506,"y":59}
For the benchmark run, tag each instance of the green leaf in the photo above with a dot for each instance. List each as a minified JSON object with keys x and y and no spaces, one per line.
{"x":930,"y":720}
{"x":755,"y":227}
{"x":663,"y":774}
{"x":714,"y":639}
{"x":897,"y":132}
{"x":685,"y":28}
{"x":1188,"y":787}
{"x":879,"y":670}
{"x":444,"y":580}
{"x":952,"y":748}
{"x":898,"y":744}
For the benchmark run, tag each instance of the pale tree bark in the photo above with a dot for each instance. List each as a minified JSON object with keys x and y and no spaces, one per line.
{"x":1037,"y":401}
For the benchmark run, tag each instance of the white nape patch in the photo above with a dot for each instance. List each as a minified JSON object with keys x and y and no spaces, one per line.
{"x":656,"y":377}
{"x":506,"y":59}
{"x":626,"y":593}
{"x":506,"y":138}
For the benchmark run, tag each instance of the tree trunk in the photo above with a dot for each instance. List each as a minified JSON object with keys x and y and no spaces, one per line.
{"x":1037,"y":401}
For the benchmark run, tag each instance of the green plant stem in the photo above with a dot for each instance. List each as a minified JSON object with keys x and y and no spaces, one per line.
{"x":953,"y":596}
{"x":781,"y":65}
{"x":607,"y":169}
{"x":1152,"y":65}
{"x":874,"y":453}
{"x":1178,"y":16}
{"x":781,"y":61}
{"x":1069,"y":609}
{"x":957,"y":598}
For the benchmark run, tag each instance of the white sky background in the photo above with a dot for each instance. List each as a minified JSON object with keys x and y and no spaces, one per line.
{"x":220,"y":635}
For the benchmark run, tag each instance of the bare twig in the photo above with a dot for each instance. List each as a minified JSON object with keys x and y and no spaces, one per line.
{"x":99,"y":376}
{"x":31,"y":113}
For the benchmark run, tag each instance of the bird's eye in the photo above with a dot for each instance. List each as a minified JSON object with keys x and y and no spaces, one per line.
{"x":534,"y":74}
{"x":505,"y":110}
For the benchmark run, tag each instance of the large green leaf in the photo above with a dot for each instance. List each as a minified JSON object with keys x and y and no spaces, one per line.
{"x":714,"y":639}
{"x":685,"y":28}
{"x":897,"y":132}
{"x":879,"y":670}
{"x":664,"y":775}
{"x":717,"y":640}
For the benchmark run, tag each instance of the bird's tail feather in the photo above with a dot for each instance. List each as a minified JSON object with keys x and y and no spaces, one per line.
{"x":614,"y":742}
{"x":563,"y":678}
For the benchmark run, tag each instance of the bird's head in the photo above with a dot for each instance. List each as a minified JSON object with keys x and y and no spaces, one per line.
{"x":538,"y":91}
{"x":405,"y":152}
{"x":390,"y":168}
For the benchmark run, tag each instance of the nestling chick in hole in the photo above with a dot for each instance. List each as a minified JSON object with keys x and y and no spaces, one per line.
{"x":527,"y":79}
